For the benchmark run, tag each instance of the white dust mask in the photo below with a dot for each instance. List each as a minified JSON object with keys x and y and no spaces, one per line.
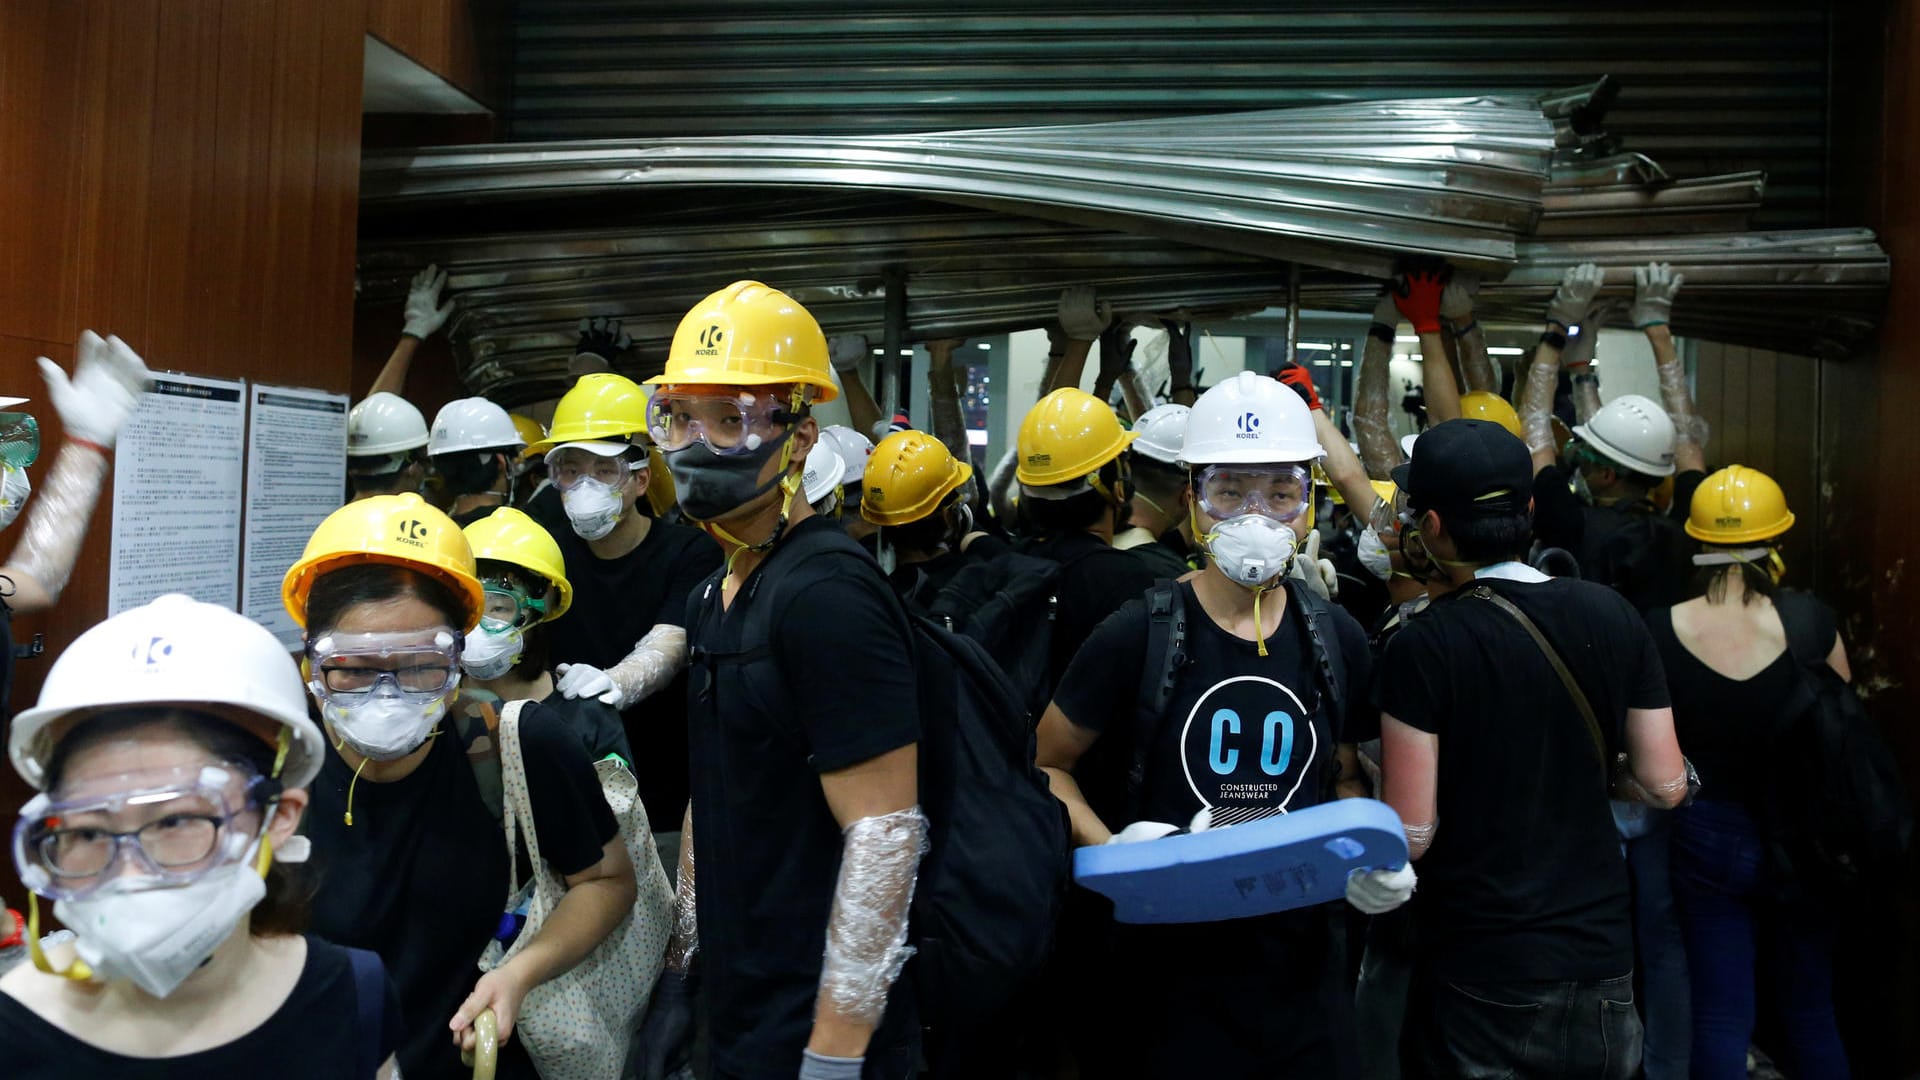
{"x":157,"y":937}
{"x":490,"y":654}
{"x":1373,"y":554}
{"x":593,"y":507}
{"x":387,"y":727}
{"x":1251,"y":549}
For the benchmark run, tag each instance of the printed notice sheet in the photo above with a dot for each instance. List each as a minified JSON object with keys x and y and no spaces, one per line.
{"x":176,"y":494}
{"x":296,"y":473}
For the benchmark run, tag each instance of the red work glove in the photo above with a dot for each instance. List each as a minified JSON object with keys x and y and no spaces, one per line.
{"x":1297,"y":377}
{"x":1417,"y":294}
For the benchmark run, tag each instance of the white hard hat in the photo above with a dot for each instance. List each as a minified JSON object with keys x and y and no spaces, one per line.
{"x":1161,"y":431}
{"x":178,"y":652}
{"x":472,"y":424}
{"x":854,"y":448}
{"x":1634,"y":432}
{"x":1247,"y":420}
{"x":384,"y":423}
{"x":824,"y":471}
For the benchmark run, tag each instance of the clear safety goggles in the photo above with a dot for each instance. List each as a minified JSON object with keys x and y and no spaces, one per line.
{"x":1281,"y":492}
{"x":729,"y":419}
{"x":574,"y":465}
{"x":1389,"y":515}
{"x":419,"y":665}
{"x":167,"y":826}
{"x":507,"y":606}
{"x":19,"y":439}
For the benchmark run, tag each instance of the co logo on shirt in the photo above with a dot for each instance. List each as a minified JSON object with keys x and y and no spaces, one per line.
{"x":1247,"y":744}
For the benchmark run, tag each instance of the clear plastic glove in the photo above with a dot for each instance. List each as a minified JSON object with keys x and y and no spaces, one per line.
{"x":1141,"y":831}
{"x":1082,"y":315}
{"x":662,"y":1043}
{"x":425,"y":312}
{"x":108,"y":380}
{"x":1654,"y":286}
{"x":1456,"y":300}
{"x":847,"y":350}
{"x":1575,"y":295}
{"x":1376,"y":892}
{"x":1386,"y":312}
{"x":601,"y":336}
{"x":587,"y":681}
{"x":821,"y":1067}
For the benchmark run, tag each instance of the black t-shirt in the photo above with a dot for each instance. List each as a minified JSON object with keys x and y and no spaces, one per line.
{"x":1095,"y":579}
{"x":1243,"y":733}
{"x":598,"y":726}
{"x":314,"y":1035}
{"x":1631,"y":547}
{"x":546,"y":508}
{"x":1727,"y":726}
{"x":615,"y":603}
{"x":1161,"y":560}
{"x":834,"y":686}
{"x":420,"y":877}
{"x":1525,"y":879}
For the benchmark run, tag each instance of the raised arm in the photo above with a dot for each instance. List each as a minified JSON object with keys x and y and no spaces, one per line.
{"x":1417,"y":293}
{"x":425,"y":315}
{"x":1082,"y":319}
{"x":1578,"y":360}
{"x":846,"y":351}
{"x":1456,"y":309}
{"x":1341,"y":465}
{"x":1180,"y":389}
{"x":1371,"y":398}
{"x":1654,"y":287}
{"x":945,"y":383}
{"x":1568,"y":308}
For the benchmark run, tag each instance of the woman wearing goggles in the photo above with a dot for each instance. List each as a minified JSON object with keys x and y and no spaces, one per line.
{"x":387,"y":592}
{"x":163,"y":833}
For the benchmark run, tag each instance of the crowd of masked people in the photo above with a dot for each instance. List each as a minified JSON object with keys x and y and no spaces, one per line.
{"x":685,"y":736}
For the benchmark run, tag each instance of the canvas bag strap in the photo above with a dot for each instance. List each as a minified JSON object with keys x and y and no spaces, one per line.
{"x":517,"y":802}
{"x":1482,"y":592}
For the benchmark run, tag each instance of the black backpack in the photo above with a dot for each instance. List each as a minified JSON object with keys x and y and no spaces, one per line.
{"x":1167,"y":654}
{"x":1009,"y":605}
{"x":1838,"y":819}
{"x":995,"y":874}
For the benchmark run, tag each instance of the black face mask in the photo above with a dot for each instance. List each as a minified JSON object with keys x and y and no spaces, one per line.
{"x":711,"y":486}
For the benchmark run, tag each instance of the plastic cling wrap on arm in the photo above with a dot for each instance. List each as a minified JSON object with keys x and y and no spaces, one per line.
{"x":652,"y":664}
{"x":867,"y":932}
{"x":57,"y":517}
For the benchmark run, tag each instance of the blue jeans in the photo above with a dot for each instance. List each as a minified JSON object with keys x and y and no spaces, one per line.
{"x":1660,"y":954}
{"x":1548,"y":1031}
{"x":1728,"y":916}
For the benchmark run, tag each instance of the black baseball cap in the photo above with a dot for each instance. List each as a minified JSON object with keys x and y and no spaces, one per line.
{"x":1471,"y":465}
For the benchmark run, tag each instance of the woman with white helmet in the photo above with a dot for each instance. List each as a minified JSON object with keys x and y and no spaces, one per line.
{"x":172,"y":750}
{"x":1278,"y":680}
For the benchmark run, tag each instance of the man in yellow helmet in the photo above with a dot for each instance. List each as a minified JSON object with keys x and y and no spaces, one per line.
{"x":624,"y":642}
{"x":914,"y":491}
{"x":805,"y":812}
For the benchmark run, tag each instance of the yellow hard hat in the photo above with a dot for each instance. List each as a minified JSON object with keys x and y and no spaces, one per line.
{"x":1067,"y":436}
{"x":601,"y":406}
{"x":660,"y":491}
{"x":530,"y":433}
{"x":1738,"y":505}
{"x":749,"y":334}
{"x":907,"y":476}
{"x":510,"y":536}
{"x":1321,"y":479}
{"x":401,"y":530}
{"x":1386,"y":490}
{"x":1486,"y":405}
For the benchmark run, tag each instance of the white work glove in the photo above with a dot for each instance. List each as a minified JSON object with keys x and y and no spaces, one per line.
{"x":1154,"y":830}
{"x":1376,"y":892}
{"x":1082,"y":316}
{"x":425,"y":312}
{"x":1580,"y":347}
{"x":587,"y":681}
{"x":847,"y":350}
{"x":1575,"y":295}
{"x":1653,"y":287}
{"x":1315,"y":572}
{"x":1456,"y":300}
{"x":108,"y":379}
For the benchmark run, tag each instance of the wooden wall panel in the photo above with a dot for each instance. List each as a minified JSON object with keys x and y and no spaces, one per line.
{"x":184,"y":173}
{"x":465,"y":42}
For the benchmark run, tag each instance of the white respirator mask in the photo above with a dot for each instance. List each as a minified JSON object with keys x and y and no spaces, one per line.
{"x":491,"y":653}
{"x":593,"y":507}
{"x":1373,"y":554}
{"x":1252,"y":549}
{"x":156,"y":938}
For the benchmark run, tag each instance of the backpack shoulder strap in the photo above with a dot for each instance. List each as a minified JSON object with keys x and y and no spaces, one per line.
{"x":1809,"y":631}
{"x":370,"y":994}
{"x":1166,"y":654}
{"x":1329,"y":663}
{"x":1482,"y":592}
